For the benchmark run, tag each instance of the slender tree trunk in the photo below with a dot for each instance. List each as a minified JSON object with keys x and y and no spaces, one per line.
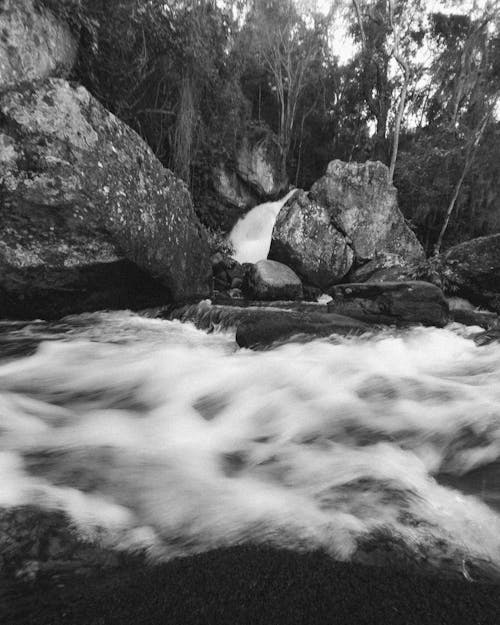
{"x":471,"y":151}
{"x":397,"y":126}
{"x":402,"y":101}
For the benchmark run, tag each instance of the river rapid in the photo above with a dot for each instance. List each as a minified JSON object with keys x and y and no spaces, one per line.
{"x":154,"y":435}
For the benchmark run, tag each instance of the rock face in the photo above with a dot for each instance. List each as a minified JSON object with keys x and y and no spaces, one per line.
{"x":232,"y":190}
{"x":391,"y":302}
{"x":79,"y":192}
{"x":363,"y":206}
{"x":305,"y":238}
{"x":33,"y":44}
{"x":258,"y":164}
{"x":474,"y":268}
{"x":270,"y":280}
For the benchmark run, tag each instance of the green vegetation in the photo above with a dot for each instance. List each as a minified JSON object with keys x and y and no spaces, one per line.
{"x":420,"y":92}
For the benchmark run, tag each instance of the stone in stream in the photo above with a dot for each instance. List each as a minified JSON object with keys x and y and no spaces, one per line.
{"x":270,"y":280}
{"x":260,"y":325}
{"x":391,"y":302}
{"x":473,"y":270}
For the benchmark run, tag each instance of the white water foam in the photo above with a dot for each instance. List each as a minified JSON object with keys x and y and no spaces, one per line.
{"x":251,"y":235}
{"x":165,"y":436}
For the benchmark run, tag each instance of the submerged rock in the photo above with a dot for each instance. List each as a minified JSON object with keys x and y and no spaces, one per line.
{"x":80,"y":192}
{"x":362,"y":205}
{"x":272,"y":328}
{"x":391,"y":302}
{"x":260,"y":324}
{"x":34,"y":44}
{"x":305,"y":239}
{"x":473,"y":270}
{"x":270,"y":280}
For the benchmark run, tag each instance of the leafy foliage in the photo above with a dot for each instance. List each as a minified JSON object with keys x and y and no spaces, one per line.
{"x":192,"y":77}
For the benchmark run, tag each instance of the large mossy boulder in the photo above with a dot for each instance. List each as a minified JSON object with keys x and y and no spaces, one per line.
{"x":473,"y":271}
{"x":81,"y":191}
{"x":269,"y":280}
{"x":34,"y":44}
{"x":397,"y":303}
{"x":305,"y":238}
{"x":362,"y":205}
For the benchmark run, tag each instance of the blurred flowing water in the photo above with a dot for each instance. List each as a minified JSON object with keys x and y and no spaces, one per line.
{"x":251,"y":235}
{"x":156,"y":435}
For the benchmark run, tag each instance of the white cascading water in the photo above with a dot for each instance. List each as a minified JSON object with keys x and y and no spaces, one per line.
{"x":251,"y":235}
{"x":162,"y":436}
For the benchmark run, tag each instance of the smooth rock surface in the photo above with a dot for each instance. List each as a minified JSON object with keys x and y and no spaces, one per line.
{"x":391,"y":302}
{"x":258,"y":163}
{"x":270,"y":280}
{"x":363,"y":206}
{"x":305,"y":239}
{"x":34,"y":44}
{"x":474,"y":270}
{"x":262,"y":332}
{"x":80,"y":189}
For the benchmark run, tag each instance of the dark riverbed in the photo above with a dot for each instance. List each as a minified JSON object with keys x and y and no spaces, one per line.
{"x":249,"y":585}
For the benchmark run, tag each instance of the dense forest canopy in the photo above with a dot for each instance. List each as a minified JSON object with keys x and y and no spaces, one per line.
{"x":420,"y":91}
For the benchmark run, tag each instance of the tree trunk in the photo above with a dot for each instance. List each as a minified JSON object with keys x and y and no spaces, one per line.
{"x":469,"y":157}
{"x":406,"y":78}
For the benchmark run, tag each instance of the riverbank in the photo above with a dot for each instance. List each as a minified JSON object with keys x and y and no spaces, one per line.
{"x":251,"y":585}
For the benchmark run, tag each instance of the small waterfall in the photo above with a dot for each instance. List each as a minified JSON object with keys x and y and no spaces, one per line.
{"x":251,"y":236}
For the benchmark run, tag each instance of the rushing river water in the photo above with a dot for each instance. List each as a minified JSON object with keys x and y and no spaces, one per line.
{"x":159,"y":435}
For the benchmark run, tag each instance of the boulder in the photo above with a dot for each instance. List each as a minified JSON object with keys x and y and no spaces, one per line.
{"x":232,"y":190}
{"x":260,"y":324}
{"x":258,"y":163}
{"x":34,"y":44}
{"x":305,"y":239}
{"x":473,"y":270}
{"x":270,"y":280}
{"x":81,"y":191}
{"x":391,"y":302}
{"x":384,"y":267}
{"x":254,"y":333}
{"x":482,"y":318}
{"x":362,"y":205}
